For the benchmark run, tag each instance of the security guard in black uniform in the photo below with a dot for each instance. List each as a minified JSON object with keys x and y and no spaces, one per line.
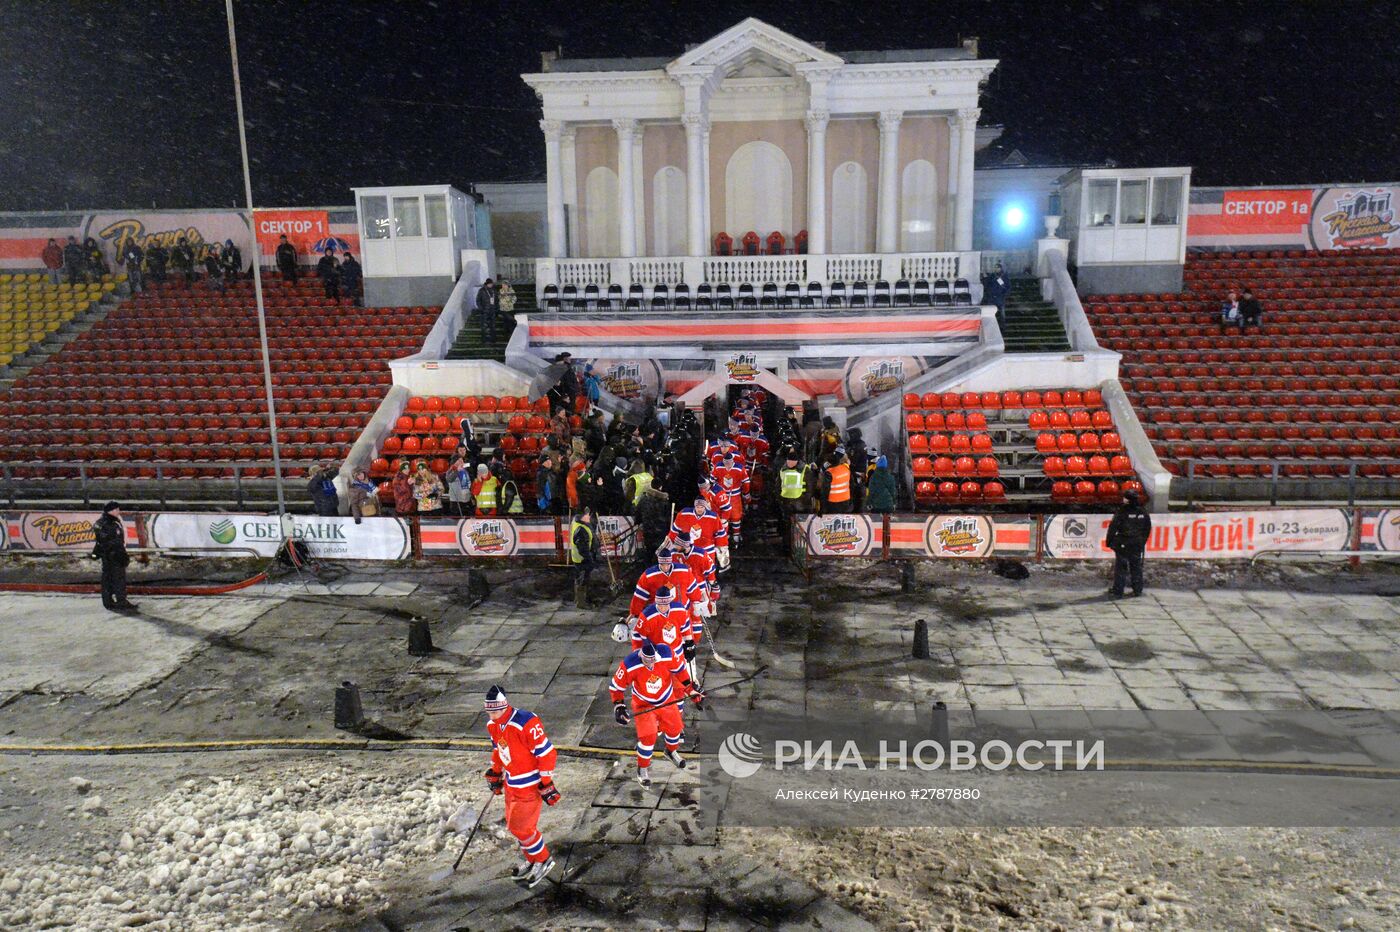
{"x":1127,"y":538}
{"x":110,"y":547}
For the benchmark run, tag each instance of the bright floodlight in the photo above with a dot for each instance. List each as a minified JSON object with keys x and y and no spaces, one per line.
{"x":1013,"y":217}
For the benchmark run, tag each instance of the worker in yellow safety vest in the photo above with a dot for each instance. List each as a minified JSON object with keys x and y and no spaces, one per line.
{"x":838,"y":485}
{"x":485,"y":490}
{"x":638,"y":481}
{"x":792,"y":494}
{"x":583,"y":554}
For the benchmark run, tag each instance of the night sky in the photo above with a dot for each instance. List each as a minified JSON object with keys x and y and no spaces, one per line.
{"x":131,"y":104}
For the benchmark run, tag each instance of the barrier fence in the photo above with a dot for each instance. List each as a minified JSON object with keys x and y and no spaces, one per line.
{"x":1210,"y":535}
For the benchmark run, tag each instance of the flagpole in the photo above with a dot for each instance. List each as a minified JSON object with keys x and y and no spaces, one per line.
{"x":257,"y":266}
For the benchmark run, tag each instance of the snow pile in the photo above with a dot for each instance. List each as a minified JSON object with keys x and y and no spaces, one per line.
{"x":245,"y":851}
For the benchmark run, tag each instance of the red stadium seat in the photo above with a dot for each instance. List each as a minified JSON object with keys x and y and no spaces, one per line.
{"x":943,"y":466}
{"x":1039,"y":420}
{"x":911,"y":400}
{"x":965,"y":466}
{"x":918,"y":443}
{"x":938,"y":443}
{"x":970,"y":490}
{"x":922,"y":466}
{"x":1054,"y":466}
{"x":955,"y":421}
{"x":987,"y":466}
{"x":913,"y":421}
{"x":933,"y":420}
{"x":993,"y":491}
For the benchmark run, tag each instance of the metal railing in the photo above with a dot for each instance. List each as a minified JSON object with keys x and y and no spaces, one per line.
{"x":94,"y":480}
{"x":1194,"y":465}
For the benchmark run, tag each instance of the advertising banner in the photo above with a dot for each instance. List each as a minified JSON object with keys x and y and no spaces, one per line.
{"x":632,"y":379}
{"x":618,"y":539}
{"x":1355,"y":218}
{"x":1217,"y":535}
{"x":58,"y":530}
{"x":1252,"y":211}
{"x":1325,"y":219}
{"x":959,"y":535}
{"x":329,"y":538}
{"x":198,"y":229}
{"x":842,"y":536}
{"x":1380,"y":530}
{"x":488,"y":537}
{"x":303,"y":229}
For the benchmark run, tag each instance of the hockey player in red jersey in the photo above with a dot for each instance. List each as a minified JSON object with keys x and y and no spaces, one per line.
{"x":668,"y":572}
{"x":522,"y":768}
{"x":703,"y":605}
{"x":713,"y":533}
{"x":656,"y":676}
{"x":665,"y":622}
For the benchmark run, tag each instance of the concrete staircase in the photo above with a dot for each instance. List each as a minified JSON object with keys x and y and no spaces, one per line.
{"x":470,"y":345}
{"x":1032,"y":324}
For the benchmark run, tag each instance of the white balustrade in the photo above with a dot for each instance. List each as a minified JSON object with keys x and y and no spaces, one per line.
{"x":515,"y":269}
{"x":669,"y":271}
{"x":853,"y":268}
{"x":929,"y":266}
{"x":582,"y":272}
{"x":754,"y":270}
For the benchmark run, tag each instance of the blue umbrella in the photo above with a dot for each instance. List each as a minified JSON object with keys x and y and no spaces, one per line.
{"x":331,"y":244}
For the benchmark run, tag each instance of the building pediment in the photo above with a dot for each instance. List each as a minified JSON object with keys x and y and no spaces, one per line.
{"x":753,"y":48}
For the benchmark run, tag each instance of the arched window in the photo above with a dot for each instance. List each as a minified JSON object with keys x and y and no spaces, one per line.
{"x":918,"y":207}
{"x":758,"y":190}
{"x":668,"y":230}
{"x":600,"y":213}
{"x":850,"y":209}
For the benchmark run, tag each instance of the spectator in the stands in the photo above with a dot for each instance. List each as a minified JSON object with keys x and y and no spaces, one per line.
{"x":1230,"y":315}
{"x":544,"y":486}
{"x":577,"y":467}
{"x":351,"y":275}
{"x":96,"y":262}
{"x":74,"y":260}
{"x":287,"y":260}
{"x":324,"y":497}
{"x":233,"y":261}
{"x":486,"y":491}
{"x":214,"y":267}
{"x":459,"y":492}
{"x":53,"y":259}
{"x":131,"y":257}
{"x":328,"y":269}
{"x":592,"y":386}
{"x":1250,"y":311}
{"x":427,"y":490}
{"x":182,"y":260}
{"x":880,"y":497}
{"x":403,"y":490}
{"x":156,"y":259}
{"x":364,"y":500}
{"x":487,"y":304}
{"x":505,"y":297}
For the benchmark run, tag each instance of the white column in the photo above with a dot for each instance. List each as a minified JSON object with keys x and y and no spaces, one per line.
{"x":554,"y":186}
{"x":695,"y":167}
{"x":967,"y":148}
{"x":887,"y":237}
{"x":705,"y":202}
{"x":626,"y":215}
{"x":569,"y":174}
{"x":816,"y":181}
{"x":639,"y":203}
{"x":947,"y":220}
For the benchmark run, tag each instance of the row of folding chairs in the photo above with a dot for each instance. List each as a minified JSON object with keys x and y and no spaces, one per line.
{"x":904,"y":293}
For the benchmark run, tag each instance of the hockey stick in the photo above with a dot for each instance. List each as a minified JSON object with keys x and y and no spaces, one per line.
{"x":439,"y":876}
{"x":743,"y":679}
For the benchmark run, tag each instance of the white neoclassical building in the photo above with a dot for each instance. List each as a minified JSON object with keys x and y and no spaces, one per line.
{"x":756,"y":133}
